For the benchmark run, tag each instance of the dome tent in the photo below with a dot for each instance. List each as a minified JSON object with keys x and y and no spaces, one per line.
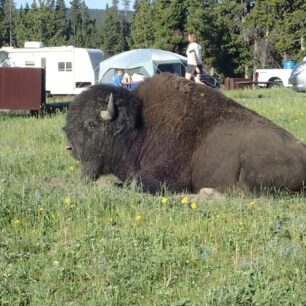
{"x":147,"y":62}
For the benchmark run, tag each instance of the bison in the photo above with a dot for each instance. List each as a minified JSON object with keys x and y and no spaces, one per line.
{"x":186,"y":136}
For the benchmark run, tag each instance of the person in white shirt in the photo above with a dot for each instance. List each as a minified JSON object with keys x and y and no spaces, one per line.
{"x":194,"y":59}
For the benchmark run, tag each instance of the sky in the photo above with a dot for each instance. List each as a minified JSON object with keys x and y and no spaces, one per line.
{"x":93,"y":4}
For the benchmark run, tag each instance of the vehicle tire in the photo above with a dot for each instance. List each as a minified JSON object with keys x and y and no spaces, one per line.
{"x":275,"y":83}
{"x":48,"y":94}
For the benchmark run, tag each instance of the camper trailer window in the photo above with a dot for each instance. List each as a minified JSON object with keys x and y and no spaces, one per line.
{"x":68,"y":66}
{"x":65,"y":66}
{"x":61,"y":66}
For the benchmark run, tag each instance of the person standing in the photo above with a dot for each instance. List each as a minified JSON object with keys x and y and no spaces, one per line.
{"x":194,"y":59}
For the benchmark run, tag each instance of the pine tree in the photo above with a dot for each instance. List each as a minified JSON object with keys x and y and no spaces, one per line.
{"x":293,"y":38}
{"x":20,"y":25}
{"x":142,"y":28}
{"x":29,"y":26}
{"x":89,"y":31}
{"x":7,"y":22}
{"x":124,"y":34}
{"x":81,"y":29}
{"x":233,"y":54}
{"x":59,"y":37}
{"x":48,"y":26}
{"x":2,"y":24}
{"x":114,"y":32}
{"x":115,"y":4}
{"x":169,"y":25}
{"x":33,"y":23}
{"x":275,"y":28}
{"x":126,"y":5}
{"x":75,"y":19}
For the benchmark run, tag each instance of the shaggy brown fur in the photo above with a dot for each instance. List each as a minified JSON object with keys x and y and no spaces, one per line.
{"x":188,"y":136}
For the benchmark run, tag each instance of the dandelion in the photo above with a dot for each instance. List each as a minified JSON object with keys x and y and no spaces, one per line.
{"x":40,"y":209}
{"x":252,"y":203}
{"x":194,"y":205}
{"x":67,"y":201}
{"x":17,"y":221}
{"x":164,"y":200}
{"x":185,"y":200}
{"x":138,"y":218}
{"x":240,"y":223}
{"x":72,"y":206}
{"x":71,"y":168}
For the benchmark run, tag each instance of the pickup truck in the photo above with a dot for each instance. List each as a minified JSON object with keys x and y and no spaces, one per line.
{"x":273,"y":77}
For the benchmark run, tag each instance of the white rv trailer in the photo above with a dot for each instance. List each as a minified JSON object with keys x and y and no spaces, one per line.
{"x":69,"y":70}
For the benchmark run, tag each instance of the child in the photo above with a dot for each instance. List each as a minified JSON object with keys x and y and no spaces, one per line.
{"x":118,"y":78}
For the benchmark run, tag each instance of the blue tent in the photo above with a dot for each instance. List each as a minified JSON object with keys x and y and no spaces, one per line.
{"x":147,"y":62}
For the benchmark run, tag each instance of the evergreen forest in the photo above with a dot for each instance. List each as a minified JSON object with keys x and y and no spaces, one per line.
{"x":236,"y":36}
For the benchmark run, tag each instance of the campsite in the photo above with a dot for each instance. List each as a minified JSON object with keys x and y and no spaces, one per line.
{"x":68,"y":240}
{"x":67,"y":243}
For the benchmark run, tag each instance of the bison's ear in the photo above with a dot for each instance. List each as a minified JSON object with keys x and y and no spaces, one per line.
{"x":110,"y":113}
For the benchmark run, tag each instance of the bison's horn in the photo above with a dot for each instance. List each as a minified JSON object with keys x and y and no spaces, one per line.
{"x":110,"y":113}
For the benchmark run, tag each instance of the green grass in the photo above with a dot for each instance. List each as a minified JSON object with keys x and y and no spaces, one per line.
{"x":66,"y":243}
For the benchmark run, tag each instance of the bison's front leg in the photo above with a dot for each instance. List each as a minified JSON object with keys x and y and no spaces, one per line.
{"x":153,"y":181}
{"x":148,"y":182}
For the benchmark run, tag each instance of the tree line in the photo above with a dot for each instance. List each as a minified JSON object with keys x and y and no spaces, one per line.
{"x":236,"y":36}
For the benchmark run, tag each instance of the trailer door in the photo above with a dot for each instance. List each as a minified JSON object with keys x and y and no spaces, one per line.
{"x":59,"y":73}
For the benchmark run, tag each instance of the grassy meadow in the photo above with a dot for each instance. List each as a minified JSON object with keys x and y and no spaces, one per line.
{"x":66,"y":243}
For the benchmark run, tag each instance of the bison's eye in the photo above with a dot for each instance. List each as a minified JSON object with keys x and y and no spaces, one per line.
{"x":90,"y":125}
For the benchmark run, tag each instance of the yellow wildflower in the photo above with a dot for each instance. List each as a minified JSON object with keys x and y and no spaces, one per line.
{"x":71,"y":168}
{"x":72,"y":206}
{"x":253,"y":202}
{"x":40,"y":209}
{"x":17,"y":221}
{"x":138,"y":217}
{"x":67,"y":201}
{"x":164,"y":200}
{"x":185,"y":200}
{"x":194,"y":205}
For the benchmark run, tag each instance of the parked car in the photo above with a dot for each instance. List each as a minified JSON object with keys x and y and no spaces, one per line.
{"x":298,"y":77}
{"x":273,"y":77}
{"x":209,"y":80}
